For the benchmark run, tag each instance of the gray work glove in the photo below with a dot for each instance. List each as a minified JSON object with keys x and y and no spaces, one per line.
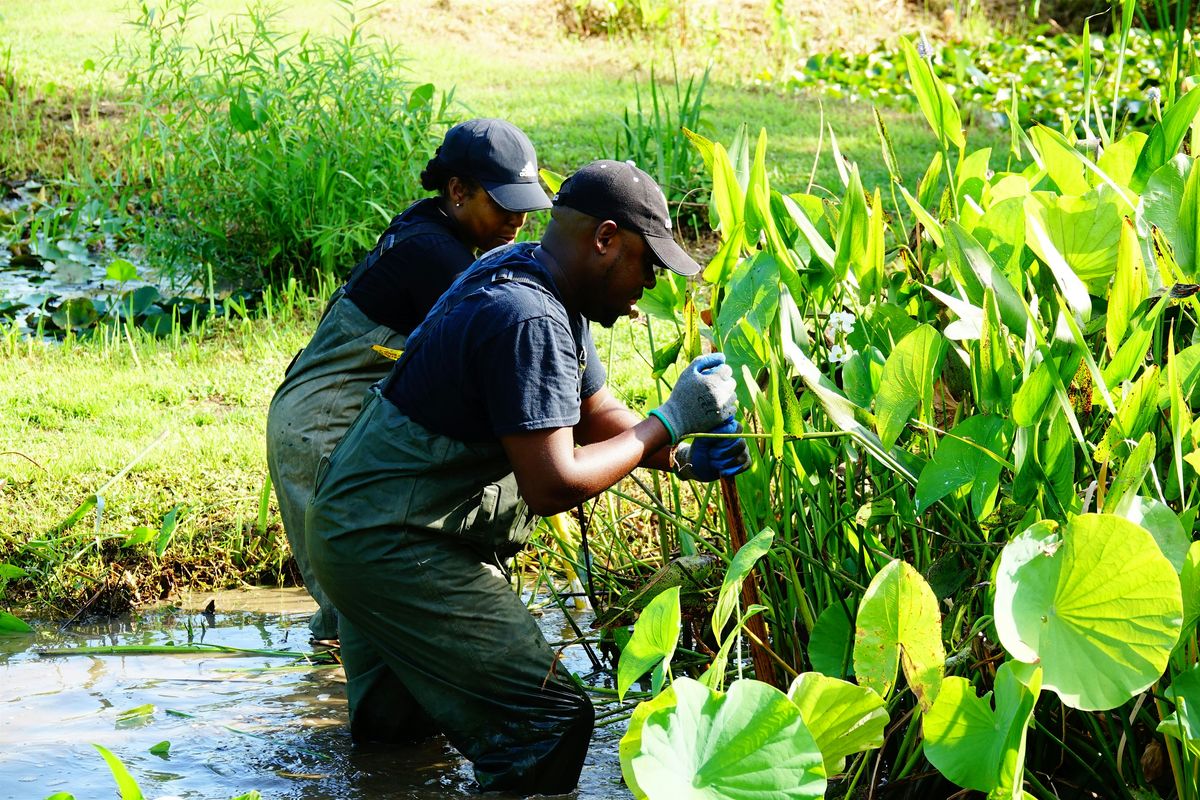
{"x":703,"y":398}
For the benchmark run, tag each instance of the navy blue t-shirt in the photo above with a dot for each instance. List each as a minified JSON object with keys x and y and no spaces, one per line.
{"x":400,"y":288}
{"x":505,"y":357}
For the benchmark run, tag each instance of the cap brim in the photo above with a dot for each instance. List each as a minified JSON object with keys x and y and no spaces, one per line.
{"x":672,"y":256}
{"x":518,"y":197}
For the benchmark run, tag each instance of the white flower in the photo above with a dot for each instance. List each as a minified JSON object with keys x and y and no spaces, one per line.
{"x":839,"y":354}
{"x":841,"y":321}
{"x":923,"y":48}
{"x":1153,"y":94}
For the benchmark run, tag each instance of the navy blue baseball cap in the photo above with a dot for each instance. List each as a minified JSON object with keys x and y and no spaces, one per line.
{"x":619,"y":191}
{"x":498,"y":155}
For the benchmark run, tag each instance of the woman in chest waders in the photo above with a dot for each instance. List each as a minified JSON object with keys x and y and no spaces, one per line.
{"x":486,"y":176}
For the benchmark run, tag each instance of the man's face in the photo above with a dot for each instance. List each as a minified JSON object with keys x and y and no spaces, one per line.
{"x":620,"y":286}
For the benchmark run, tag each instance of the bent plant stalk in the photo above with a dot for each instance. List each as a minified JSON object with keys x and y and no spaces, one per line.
{"x":763,"y":669}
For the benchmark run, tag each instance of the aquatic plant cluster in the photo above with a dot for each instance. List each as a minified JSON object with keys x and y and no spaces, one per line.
{"x":1041,"y":76}
{"x":974,"y":400}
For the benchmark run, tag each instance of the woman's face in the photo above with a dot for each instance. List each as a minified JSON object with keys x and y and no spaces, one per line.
{"x":485,"y":222}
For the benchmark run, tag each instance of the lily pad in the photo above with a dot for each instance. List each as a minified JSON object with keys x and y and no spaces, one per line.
{"x":76,"y":313}
{"x":1095,"y":603}
{"x":744,"y":744}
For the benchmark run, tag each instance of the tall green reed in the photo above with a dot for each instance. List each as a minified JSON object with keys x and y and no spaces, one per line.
{"x":267,"y":152}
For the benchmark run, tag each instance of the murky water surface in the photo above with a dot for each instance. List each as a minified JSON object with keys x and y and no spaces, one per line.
{"x":249,"y":724}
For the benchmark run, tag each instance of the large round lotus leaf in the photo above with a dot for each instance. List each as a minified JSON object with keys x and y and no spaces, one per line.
{"x":631,"y":742}
{"x":898,"y":622}
{"x":978,"y":747}
{"x":844,"y":719}
{"x":1098,"y":605}
{"x":1162,"y":523}
{"x":746,"y":744}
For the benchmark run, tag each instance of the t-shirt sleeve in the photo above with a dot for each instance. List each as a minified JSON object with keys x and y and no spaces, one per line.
{"x":594,"y":374}
{"x":530,"y":377}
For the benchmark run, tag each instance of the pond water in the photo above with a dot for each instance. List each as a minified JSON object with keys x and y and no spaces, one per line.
{"x":234,"y":723}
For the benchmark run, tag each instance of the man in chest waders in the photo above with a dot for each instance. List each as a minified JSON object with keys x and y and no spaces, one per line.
{"x":497,"y":412}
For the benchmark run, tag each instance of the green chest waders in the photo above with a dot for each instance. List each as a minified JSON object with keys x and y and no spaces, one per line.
{"x":405,"y":528}
{"x":321,"y":394}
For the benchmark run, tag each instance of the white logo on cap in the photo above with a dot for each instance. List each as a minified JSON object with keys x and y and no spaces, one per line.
{"x":528,"y":170}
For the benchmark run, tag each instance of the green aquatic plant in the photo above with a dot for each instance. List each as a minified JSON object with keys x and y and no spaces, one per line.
{"x":1094,"y":603}
{"x":973,"y":413}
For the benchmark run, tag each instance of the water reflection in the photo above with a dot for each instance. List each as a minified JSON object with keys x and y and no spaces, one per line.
{"x":234,"y":724}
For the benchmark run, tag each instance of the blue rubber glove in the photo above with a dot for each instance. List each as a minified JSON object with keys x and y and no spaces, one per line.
{"x":710,"y":459}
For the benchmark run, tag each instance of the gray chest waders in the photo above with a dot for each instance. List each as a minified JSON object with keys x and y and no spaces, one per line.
{"x":321,"y":394}
{"x":394,"y":472}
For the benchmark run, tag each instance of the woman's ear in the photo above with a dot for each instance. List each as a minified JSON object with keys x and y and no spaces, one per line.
{"x":605,"y":236}
{"x":456,"y":191}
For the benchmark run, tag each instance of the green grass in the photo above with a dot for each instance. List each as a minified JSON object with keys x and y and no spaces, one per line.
{"x":76,"y":414}
{"x":568,"y":94}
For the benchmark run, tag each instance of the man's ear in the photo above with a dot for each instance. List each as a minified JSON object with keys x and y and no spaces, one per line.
{"x":605,"y":236}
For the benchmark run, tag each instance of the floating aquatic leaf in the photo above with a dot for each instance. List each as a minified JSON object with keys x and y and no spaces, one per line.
{"x":76,"y":313}
{"x":747,"y":743}
{"x":1095,"y":603}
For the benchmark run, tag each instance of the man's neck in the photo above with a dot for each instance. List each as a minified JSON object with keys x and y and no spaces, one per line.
{"x":562,"y":281}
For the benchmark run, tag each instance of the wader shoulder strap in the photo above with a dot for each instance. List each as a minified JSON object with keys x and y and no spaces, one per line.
{"x":397,"y":233}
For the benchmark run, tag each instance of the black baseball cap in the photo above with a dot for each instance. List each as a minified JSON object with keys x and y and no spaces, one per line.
{"x":501,"y":157}
{"x":619,"y":191}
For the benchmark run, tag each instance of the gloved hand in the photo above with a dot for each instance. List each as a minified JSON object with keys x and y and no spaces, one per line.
{"x":703,"y":398}
{"x":710,"y":459}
